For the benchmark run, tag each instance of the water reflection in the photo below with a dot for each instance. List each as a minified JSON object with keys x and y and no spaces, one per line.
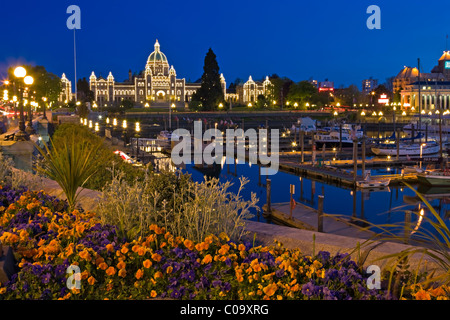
{"x":368,"y":206}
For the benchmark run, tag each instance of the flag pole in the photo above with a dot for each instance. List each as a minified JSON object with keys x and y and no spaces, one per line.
{"x":75,"y":62}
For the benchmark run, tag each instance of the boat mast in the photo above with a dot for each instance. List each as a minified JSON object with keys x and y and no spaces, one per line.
{"x":420,"y":98}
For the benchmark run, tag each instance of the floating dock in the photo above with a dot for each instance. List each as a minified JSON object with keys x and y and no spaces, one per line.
{"x":307,"y":218}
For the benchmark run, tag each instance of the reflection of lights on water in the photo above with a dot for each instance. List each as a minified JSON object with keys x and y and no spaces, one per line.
{"x":419,"y":221}
{"x":222,"y":162}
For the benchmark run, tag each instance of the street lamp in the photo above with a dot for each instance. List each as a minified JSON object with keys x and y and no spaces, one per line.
{"x":45,"y":102}
{"x":138,"y":130}
{"x":172,"y":106}
{"x":28,"y":80}
{"x":124,"y":132}
{"x":21,"y":135}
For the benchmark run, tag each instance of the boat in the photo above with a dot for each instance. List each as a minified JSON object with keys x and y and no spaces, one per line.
{"x":306,"y":124}
{"x":374,"y":183}
{"x":332,"y":136}
{"x":435,"y":178}
{"x":405,"y":149}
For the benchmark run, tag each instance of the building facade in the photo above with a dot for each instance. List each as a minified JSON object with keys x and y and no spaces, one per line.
{"x":369,"y":85}
{"x":250,"y":90}
{"x":158,"y":82}
{"x":430,"y":91}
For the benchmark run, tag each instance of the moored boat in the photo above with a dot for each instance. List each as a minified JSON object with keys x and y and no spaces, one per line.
{"x":390,"y":149}
{"x":435,"y":178}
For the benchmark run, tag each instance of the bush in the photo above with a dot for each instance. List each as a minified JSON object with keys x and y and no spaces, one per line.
{"x":170,"y":199}
{"x":104,"y":157}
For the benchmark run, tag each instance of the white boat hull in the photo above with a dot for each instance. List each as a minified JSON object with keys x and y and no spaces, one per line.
{"x":405,"y":151}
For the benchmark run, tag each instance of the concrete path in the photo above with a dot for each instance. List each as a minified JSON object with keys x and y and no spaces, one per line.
{"x":304,"y":217}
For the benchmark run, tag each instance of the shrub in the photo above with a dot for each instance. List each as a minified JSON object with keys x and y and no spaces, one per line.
{"x":172,"y":200}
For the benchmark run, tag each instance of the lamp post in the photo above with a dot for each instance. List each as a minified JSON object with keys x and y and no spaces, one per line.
{"x":172,"y":106}
{"x":21,"y":135}
{"x":44,"y":113}
{"x":124,"y":132}
{"x":138,"y":130}
{"x":28,"y":80}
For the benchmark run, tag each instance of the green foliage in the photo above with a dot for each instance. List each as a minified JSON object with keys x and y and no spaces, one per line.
{"x":302,"y":92}
{"x":46,"y":84}
{"x":433,"y":244}
{"x":210,"y":94}
{"x":104,"y":156}
{"x":70,"y":163}
{"x":171,"y":199}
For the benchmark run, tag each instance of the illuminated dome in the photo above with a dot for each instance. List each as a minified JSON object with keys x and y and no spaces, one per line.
{"x":157,"y":56}
{"x":445,"y":56}
{"x":408,"y":72}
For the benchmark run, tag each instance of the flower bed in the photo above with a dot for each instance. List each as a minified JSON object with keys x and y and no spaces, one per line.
{"x":47,"y":239}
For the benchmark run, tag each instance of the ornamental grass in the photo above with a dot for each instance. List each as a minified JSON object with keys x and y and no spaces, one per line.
{"x":48,"y":237}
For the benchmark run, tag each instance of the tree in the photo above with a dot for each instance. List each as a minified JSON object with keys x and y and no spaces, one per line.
{"x":84,"y":92}
{"x":210,"y":93}
{"x":302,"y":92}
{"x":46,"y":84}
{"x":280,"y":88}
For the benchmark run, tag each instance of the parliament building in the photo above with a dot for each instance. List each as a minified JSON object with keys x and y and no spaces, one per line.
{"x":158,"y":82}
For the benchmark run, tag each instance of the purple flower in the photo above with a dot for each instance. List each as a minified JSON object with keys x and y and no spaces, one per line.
{"x":279,"y":273}
{"x":46,"y":278}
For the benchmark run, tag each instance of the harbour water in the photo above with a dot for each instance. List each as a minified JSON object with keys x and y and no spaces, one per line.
{"x":376,"y":206}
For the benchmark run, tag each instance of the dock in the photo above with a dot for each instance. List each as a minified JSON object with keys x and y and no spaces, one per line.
{"x":338,"y":172}
{"x":306,"y":218}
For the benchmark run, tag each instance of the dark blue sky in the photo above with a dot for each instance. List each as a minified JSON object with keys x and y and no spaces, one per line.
{"x":293,"y":38}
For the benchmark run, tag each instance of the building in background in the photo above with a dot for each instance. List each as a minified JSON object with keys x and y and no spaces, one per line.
{"x":369,"y":85}
{"x":250,"y":90}
{"x":326,"y":86}
{"x":433,"y":87}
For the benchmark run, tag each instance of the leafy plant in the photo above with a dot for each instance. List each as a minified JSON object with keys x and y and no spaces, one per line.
{"x":170,"y":199}
{"x":70,"y":165}
{"x":433,"y":243}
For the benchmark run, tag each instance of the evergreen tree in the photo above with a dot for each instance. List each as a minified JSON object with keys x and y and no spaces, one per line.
{"x":210,"y":93}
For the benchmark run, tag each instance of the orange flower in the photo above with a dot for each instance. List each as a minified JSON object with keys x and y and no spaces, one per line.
{"x":141,"y":251}
{"x":188,"y":244}
{"x":85,"y":255}
{"x":91,"y":280}
{"x":147,"y":263}
{"x":156,"y":257}
{"x":103,"y":266}
{"x":224,"y":249}
{"x":158,"y":275}
{"x":122,"y":273}
{"x":241,"y":247}
{"x":139,"y":274}
{"x":110,"y":247}
{"x":207,"y":259}
{"x":153,"y":294}
{"x":124,"y":249}
{"x":99,"y":260}
{"x":135,"y":248}
{"x":270,"y":289}
{"x":121,"y":265}
{"x":422,"y":295}
{"x":79,"y":228}
{"x":169,"y":269}
{"x":110,"y":271}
